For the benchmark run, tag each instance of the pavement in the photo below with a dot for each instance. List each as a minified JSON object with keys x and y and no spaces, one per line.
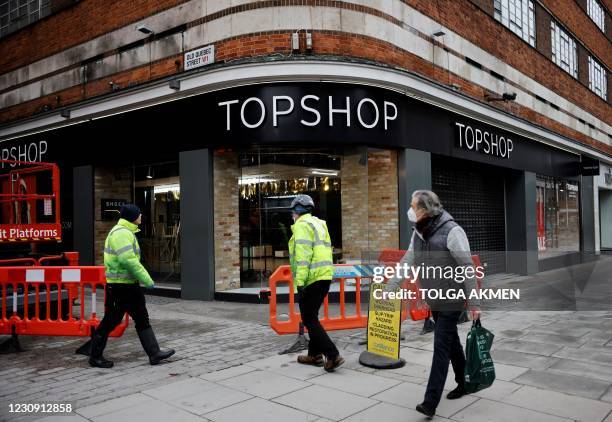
{"x":550,"y":366}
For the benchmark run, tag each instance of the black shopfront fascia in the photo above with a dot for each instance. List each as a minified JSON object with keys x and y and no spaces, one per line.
{"x":376,"y":117}
{"x":301,"y":114}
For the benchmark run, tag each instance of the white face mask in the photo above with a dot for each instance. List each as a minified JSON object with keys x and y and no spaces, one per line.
{"x":412,"y":215}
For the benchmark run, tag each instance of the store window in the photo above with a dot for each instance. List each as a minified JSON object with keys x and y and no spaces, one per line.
{"x":558,"y":216}
{"x":518,"y":16}
{"x":564,"y":49}
{"x":597,"y":14}
{"x":597,"y":78}
{"x":158,"y":194}
{"x":354,"y":189}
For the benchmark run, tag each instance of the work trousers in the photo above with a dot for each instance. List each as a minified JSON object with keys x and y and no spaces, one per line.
{"x":447,"y":348}
{"x":122,"y":298}
{"x":310,"y":300}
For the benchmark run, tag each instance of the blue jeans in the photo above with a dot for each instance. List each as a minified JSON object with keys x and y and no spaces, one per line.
{"x":447,"y":348}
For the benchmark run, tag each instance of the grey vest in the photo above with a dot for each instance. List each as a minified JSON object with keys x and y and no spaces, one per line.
{"x":432,"y":251}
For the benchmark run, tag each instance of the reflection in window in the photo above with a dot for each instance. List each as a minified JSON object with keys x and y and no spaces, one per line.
{"x":558,"y":216}
{"x":564,"y":49}
{"x":158,"y":194}
{"x":597,"y":14}
{"x":518,"y":16}
{"x":597,"y":78}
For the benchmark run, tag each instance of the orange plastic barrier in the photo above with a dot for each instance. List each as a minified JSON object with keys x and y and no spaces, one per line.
{"x":330,"y":323}
{"x":418,"y":309}
{"x":53,"y":282}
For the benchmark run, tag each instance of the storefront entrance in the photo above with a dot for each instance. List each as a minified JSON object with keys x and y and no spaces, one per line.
{"x":354,"y":189}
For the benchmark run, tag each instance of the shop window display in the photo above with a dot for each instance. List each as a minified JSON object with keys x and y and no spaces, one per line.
{"x":558,"y":216}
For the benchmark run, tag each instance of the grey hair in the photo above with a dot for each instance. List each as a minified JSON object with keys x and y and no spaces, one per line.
{"x":428,"y":201}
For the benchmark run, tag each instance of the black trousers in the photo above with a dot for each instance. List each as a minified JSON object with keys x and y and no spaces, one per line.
{"x":447,"y":347}
{"x":310,"y":300}
{"x":122,"y":298}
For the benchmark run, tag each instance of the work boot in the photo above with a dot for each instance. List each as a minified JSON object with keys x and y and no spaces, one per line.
{"x":311,"y":360}
{"x":457,"y":393}
{"x":332,"y":364}
{"x":424,"y":409}
{"x":96,"y":359}
{"x":151,"y":347}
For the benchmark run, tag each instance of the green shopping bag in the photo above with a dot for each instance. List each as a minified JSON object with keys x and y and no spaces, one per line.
{"x":479,"y":370}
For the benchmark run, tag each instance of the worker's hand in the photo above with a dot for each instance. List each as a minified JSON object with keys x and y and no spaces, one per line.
{"x":474,"y":313}
{"x":149,"y":286}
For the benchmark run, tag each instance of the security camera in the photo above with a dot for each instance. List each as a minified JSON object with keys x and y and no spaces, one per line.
{"x":509,"y":96}
{"x":144,"y":29}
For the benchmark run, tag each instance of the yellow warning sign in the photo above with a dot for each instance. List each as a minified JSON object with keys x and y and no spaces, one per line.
{"x":384,"y":323}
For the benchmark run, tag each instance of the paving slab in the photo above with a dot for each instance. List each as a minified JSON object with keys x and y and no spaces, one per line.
{"x":523,"y":346}
{"x":492,"y":411}
{"x":409,"y":395}
{"x":197,"y":396}
{"x":586,"y":369}
{"x":587,"y":354}
{"x":227,"y":373}
{"x":113,"y":405}
{"x":264,"y":384}
{"x":326,"y":402}
{"x":556,"y":339}
{"x":607,"y":396}
{"x":259,"y":410}
{"x":559,"y":404}
{"x":526,"y":360}
{"x":355,"y":382}
{"x":287,"y":365}
{"x":508,"y":372}
{"x":63,"y":418}
{"x":389,"y":413}
{"x":418,"y":356}
{"x":499,"y":390}
{"x":156,"y":410}
{"x":571,"y":384}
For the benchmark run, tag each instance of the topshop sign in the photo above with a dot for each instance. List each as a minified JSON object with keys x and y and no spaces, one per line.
{"x":314,"y":111}
{"x":483,"y":141}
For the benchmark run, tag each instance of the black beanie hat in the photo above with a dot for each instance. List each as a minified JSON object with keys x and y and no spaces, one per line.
{"x":130,"y":212}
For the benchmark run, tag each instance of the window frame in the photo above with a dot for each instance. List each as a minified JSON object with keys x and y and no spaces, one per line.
{"x":564,"y":49}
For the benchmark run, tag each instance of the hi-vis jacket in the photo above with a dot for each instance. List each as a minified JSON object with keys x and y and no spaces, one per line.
{"x":310,"y":251}
{"x":122,"y":256}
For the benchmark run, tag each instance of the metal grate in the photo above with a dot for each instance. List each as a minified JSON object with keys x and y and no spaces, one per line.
{"x":475,"y":198}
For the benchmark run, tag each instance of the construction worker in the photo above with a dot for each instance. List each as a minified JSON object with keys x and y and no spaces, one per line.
{"x":123,"y":293}
{"x":310,"y":255}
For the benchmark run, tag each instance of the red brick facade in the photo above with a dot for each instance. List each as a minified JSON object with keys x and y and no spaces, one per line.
{"x":472,"y":21}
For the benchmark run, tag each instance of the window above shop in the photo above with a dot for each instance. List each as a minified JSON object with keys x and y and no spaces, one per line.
{"x":564,"y":52}
{"x":597,"y":14}
{"x":597,"y":78}
{"x":15,"y":14}
{"x":518,"y":16}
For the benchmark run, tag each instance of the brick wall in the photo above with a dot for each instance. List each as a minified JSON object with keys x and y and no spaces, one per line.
{"x":226,"y":220}
{"x":383,"y":199}
{"x":341,"y":44}
{"x":354,"y":200}
{"x":369,"y":196}
{"x":72,"y":26}
{"x":108,"y":183}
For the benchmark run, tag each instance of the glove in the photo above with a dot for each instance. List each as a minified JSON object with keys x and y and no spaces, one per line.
{"x":149,"y":286}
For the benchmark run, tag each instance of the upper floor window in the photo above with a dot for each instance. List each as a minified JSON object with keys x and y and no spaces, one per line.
{"x":596,"y":12}
{"x":564,"y":50}
{"x":518,"y":16}
{"x":15,"y":14}
{"x":597,"y":79}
